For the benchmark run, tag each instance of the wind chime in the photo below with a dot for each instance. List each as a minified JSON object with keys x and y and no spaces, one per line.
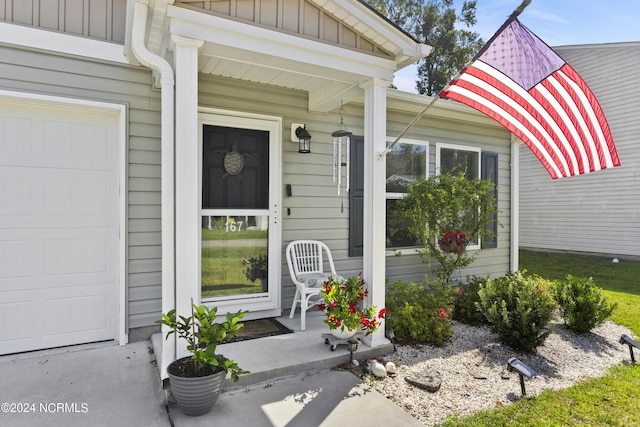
{"x":341,"y":149}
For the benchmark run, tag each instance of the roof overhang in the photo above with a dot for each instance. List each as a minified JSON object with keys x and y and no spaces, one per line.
{"x":329,"y":73}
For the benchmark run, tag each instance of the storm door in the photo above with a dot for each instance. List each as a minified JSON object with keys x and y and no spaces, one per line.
{"x":240,"y":241}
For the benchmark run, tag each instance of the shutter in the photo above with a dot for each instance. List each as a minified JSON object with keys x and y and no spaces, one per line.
{"x":356,"y":196}
{"x":489,"y":165}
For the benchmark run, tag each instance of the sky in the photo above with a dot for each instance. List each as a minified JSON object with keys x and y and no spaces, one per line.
{"x":557,"y":22}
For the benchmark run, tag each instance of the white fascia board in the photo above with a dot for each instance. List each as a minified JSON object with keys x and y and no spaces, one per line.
{"x":61,"y":43}
{"x":250,"y":38}
{"x":406,"y":49}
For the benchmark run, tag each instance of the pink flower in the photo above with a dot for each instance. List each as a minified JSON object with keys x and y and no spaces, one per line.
{"x":442,"y":313}
{"x":458,"y":292}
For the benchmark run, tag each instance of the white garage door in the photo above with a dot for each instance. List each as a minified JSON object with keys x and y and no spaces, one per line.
{"x":58,"y":226}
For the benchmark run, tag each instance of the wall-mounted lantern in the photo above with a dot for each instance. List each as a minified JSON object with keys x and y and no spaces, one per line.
{"x":300,"y":135}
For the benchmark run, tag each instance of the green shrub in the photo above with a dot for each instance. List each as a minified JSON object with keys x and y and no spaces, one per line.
{"x":466,"y":296}
{"x":518,"y":309}
{"x":581,"y":304}
{"x":418,"y":312}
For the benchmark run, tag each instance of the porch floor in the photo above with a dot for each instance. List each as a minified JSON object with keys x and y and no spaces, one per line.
{"x":289,"y":354}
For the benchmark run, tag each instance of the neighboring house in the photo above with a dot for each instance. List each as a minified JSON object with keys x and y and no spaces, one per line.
{"x":137,"y":137}
{"x":598,"y":212}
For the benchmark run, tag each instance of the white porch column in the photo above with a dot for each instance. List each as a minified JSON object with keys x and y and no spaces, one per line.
{"x":187,"y":178}
{"x":514,"y":263}
{"x":375,"y":134}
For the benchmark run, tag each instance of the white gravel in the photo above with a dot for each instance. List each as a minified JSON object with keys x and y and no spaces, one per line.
{"x":474,"y":375}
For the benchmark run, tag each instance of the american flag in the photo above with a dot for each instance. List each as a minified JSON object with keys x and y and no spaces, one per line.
{"x":519,"y":81}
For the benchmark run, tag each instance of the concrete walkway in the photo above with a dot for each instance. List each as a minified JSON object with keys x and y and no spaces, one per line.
{"x":109,"y":385}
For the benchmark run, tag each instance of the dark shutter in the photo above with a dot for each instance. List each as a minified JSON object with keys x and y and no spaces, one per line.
{"x":356,"y":196}
{"x":489,"y":165}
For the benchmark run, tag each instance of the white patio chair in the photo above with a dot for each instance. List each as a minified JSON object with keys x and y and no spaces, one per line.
{"x":306,"y":260}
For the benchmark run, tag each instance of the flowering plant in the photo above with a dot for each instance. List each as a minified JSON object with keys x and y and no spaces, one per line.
{"x":453,"y":242}
{"x":343,"y":305}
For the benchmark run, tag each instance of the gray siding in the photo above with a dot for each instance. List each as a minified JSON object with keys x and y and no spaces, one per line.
{"x":97,"y":19}
{"x":597,"y":212}
{"x":80,"y":78}
{"x":315,"y":206}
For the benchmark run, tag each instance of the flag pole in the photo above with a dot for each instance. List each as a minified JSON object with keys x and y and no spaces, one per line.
{"x":517,"y":11}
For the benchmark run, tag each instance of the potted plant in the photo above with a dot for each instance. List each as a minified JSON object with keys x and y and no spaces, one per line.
{"x":342,"y":305}
{"x":196,"y":381}
{"x":256,"y":268}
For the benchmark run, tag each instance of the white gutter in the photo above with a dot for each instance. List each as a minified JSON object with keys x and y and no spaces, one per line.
{"x":167,"y":84}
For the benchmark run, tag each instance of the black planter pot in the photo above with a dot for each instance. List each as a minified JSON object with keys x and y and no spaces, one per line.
{"x":195,"y":395}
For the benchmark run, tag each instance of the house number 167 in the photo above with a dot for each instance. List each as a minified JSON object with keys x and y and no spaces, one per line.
{"x":234,"y":226}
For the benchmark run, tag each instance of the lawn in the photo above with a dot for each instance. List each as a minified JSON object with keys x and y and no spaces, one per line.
{"x":608,"y":401}
{"x":222,"y":261}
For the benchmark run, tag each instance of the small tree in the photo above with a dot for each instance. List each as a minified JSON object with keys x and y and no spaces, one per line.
{"x":443,"y":205}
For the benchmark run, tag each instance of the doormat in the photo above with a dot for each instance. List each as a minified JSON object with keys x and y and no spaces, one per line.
{"x":260,"y":328}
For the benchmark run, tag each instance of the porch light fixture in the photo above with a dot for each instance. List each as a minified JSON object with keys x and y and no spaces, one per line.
{"x":626,"y":339}
{"x":341,"y":143}
{"x":515,"y":365}
{"x":299,"y":132}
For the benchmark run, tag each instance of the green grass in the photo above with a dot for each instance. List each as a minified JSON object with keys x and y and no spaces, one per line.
{"x":222,"y":269}
{"x":612,"y":400}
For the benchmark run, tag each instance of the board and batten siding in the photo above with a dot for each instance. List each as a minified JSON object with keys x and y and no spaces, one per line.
{"x":81,"y":78}
{"x":314,"y":209}
{"x":299,"y":17}
{"x":96,"y":19}
{"x":599,"y":212}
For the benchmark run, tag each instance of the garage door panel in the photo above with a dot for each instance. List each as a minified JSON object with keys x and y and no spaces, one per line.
{"x":54,"y":140}
{"x":59,"y":222}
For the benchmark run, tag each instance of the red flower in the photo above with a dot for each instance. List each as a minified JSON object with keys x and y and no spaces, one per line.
{"x":352,"y":307}
{"x":382,"y":313}
{"x":322,"y":307}
{"x":332,"y":305}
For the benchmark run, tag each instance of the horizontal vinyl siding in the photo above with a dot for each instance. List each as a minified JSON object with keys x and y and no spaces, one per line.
{"x":315,"y":207}
{"x":598,"y":212}
{"x":33,"y":71}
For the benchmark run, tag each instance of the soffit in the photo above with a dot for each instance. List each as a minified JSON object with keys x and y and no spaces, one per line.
{"x":330,"y":72}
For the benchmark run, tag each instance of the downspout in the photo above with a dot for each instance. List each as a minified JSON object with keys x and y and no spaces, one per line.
{"x":515,"y":204}
{"x":160,"y":65}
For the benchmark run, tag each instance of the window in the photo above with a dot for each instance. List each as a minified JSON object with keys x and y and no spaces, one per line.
{"x":406,"y":162}
{"x":455,"y":159}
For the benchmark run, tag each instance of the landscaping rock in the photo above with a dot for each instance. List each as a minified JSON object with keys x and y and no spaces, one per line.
{"x":429,"y":380}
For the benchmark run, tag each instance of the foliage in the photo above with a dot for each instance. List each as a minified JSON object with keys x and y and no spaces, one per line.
{"x":442,"y":204}
{"x":610,"y":400}
{"x":256,"y":267}
{"x":581,"y":304}
{"x":619,"y":281}
{"x":343,"y":305}
{"x":419,"y":312}
{"x":436,"y":23}
{"x":464,"y":302}
{"x":518,"y":308}
{"x":203,"y":334}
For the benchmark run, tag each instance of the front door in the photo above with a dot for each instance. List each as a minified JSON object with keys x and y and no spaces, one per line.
{"x":240,"y":230}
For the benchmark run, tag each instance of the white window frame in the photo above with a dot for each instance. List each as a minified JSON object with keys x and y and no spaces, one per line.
{"x":395,"y":196}
{"x":460,"y":147}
